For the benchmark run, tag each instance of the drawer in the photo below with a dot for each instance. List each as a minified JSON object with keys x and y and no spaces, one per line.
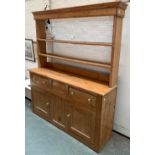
{"x":82,"y":98}
{"x":60,"y":88}
{"x":40,"y":81}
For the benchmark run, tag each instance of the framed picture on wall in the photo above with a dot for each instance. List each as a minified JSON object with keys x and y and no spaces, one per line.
{"x":29,"y":50}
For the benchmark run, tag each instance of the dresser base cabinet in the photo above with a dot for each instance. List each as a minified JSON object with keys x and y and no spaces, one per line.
{"x":84,"y":115}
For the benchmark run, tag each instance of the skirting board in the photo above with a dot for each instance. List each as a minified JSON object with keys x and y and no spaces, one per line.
{"x":121,"y":130}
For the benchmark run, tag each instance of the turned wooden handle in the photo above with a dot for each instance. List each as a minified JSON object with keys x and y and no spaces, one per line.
{"x":72,"y":93}
{"x":68,"y":115}
{"x":47,"y":103}
{"x":89,"y":99}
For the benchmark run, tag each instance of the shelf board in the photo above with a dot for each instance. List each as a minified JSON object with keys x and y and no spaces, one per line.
{"x":86,"y":62}
{"x":77,"y":42}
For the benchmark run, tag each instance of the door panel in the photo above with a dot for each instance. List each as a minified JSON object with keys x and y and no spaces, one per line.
{"x":82,"y":123}
{"x":40,"y":102}
{"x":58,"y":111}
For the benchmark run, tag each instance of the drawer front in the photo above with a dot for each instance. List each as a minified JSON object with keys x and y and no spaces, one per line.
{"x":82,"y":98}
{"x":60,"y":88}
{"x":41,"y":81}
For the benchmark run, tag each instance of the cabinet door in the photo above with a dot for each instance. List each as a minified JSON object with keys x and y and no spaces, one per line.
{"x":58,"y":111}
{"x":82,"y":123}
{"x":40,"y":103}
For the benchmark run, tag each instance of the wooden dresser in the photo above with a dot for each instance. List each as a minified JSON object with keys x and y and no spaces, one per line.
{"x":79,"y":101}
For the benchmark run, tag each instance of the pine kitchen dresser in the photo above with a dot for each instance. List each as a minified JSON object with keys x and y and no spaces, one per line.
{"x":79,"y":101}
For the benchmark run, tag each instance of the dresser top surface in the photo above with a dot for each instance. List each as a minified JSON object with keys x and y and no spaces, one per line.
{"x":73,"y":80}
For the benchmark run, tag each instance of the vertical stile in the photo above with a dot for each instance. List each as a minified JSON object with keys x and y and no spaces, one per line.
{"x":41,"y":46}
{"x":116,"y":41}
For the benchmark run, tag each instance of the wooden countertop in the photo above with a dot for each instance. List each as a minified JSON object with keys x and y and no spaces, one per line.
{"x":73,"y":80}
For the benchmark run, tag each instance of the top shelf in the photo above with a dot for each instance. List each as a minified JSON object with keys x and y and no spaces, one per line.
{"x":77,"y":42}
{"x":101,"y":9}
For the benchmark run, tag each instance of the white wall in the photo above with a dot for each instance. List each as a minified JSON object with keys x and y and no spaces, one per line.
{"x":122,"y":113}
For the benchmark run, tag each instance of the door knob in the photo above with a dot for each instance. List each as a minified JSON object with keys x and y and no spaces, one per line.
{"x":68,"y":115}
{"x":47,"y":103}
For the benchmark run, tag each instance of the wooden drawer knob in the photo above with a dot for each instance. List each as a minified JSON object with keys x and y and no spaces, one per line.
{"x":89,"y":99}
{"x":72,"y":93}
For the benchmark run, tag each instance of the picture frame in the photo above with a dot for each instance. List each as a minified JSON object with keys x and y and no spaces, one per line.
{"x":29,"y":50}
